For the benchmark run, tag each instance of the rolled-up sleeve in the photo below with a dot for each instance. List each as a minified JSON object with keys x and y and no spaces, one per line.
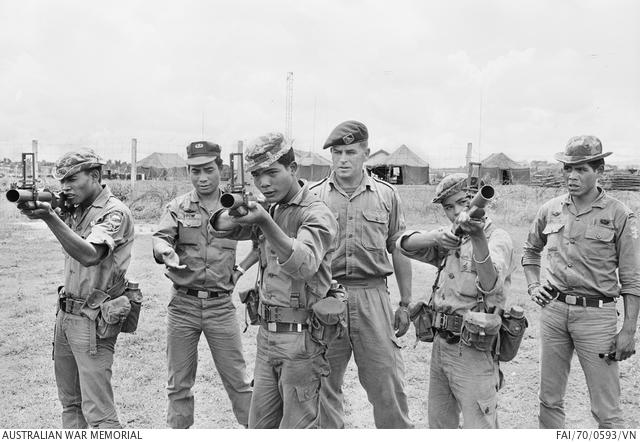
{"x":430,"y":255}
{"x":536,"y":240}
{"x":628,"y":250}
{"x":397,"y":223}
{"x":109,"y":228}
{"x":501,"y":252}
{"x":313,"y":240}
{"x":238,"y":233}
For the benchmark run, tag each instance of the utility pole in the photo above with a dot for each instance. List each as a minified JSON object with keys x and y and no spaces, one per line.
{"x":34,"y":149}
{"x":288,"y":112}
{"x":134,"y":170}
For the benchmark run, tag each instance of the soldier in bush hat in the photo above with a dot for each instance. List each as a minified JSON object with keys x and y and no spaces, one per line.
{"x":371,"y":218}
{"x":296,"y":238}
{"x":593,"y":260}
{"x":474,"y":276}
{"x":97,"y":236}
{"x":203,"y":272}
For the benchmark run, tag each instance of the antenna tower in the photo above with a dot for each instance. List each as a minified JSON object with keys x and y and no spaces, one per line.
{"x":288,"y":112}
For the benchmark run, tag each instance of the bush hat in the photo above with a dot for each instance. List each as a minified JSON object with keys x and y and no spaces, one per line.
{"x":582,"y":149}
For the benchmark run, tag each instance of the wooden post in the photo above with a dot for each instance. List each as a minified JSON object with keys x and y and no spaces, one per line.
{"x":34,"y":149}
{"x":134,"y":170}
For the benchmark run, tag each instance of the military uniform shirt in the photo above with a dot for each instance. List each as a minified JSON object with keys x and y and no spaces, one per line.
{"x":107,"y":221}
{"x":370,"y":221}
{"x":209,"y":259}
{"x":458,"y":287}
{"x":308,"y":270}
{"x":585,"y":249}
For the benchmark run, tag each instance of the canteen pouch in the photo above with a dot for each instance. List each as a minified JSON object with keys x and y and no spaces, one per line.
{"x":93,"y":302}
{"x":112,"y":316}
{"x":422,"y":317}
{"x":328,"y":319}
{"x":251,"y":300}
{"x":511,"y":334}
{"x":480,"y":330}
{"x":134,"y":295}
{"x":131,"y":323}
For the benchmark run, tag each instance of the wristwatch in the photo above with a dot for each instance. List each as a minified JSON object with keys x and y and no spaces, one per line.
{"x":237,"y":268}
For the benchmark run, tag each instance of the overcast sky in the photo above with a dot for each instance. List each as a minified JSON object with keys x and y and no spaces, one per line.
{"x":519,"y":77}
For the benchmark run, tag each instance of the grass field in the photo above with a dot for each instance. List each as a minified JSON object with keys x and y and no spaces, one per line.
{"x":31,"y":267}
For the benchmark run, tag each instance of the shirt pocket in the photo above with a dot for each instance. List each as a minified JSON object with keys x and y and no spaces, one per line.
{"x":189,"y":229}
{"x":600,"y":241}
{"x":373,"y":230}
{"x":554,"y":233}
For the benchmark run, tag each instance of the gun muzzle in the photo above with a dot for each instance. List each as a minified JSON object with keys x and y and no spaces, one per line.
{"x":480,"y":201}
{"x":232,"y":201}
{"x":22,"y":195}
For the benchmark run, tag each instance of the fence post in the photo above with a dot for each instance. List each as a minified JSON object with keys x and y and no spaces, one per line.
{"x":134,"y":170}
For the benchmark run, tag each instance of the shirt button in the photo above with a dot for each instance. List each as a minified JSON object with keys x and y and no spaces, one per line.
{"x":350,"y":217}
{"x":451,"y":276}
{"x":572,"y":241}
{"x":577,"y":219}
{"x":351,"y":235}
{"x":569,"y":265}
{"x":350,"y":254}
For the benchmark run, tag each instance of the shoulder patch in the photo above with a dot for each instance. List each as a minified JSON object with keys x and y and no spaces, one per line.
{"x":113,"y":221}
{"x":633,"y":225}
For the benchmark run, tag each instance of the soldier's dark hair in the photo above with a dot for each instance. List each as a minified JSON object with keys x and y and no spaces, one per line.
{"x":287,"y":158}
{"x":99,"y":169}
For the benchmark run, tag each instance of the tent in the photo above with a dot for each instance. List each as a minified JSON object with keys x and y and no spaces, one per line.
{"x":162,"y":166}
{"x":403,"y":166}
{"x":498,"y":168}
{"x":376,"y":159}
{"x":311,"y":166}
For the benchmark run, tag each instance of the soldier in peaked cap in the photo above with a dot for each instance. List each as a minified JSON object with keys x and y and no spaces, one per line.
{"x":203,"y":273}
{"x":593,"y":260}
{"x":371,"y":218}
{"x":296,"y":238}
{"x":97,"y":236}
{"x":473,"y":271}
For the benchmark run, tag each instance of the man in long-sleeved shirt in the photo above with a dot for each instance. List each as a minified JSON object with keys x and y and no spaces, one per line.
{"x":296,"y":238}
{"x":588,"y":236}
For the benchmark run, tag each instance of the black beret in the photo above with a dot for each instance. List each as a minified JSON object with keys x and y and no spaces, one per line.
{"x":346,"y":133}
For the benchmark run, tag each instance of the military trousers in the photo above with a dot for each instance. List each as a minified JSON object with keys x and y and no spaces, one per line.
{"x":83,"y":380}
{"x":376,"y":350}
{"x":290,"y":368}
{"x":188,"y":318}
{"x":462,"y":380}
{"x":589,"y":331}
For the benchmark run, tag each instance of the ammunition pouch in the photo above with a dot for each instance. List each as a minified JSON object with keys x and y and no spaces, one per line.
{"x":480,"y":330}
{"x":113,"y":314}
{"x":422,"y":317}
{"x":328,"y":320}
{"x":251,"y":301}
{"x":511,"y":334}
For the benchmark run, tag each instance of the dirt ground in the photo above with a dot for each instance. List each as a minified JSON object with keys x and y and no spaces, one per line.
{"x":31,"y":267}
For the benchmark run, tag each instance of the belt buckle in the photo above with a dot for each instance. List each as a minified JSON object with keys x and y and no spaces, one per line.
{"x":203,"y":294}
{"x":272,"y":326}
{"x":441,"y":321}
{"x":600,"y":303}
{"x":298,"y":328}
{"x":571,"y":299}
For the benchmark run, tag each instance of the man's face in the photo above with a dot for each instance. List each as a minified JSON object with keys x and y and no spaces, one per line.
{"x":205,"y":178}
{"x":348,"y":160}
{"x":580,"y":179}
{"x":456,"y":204}
{"x":275,"y":181}
{"x":79,"y":186}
